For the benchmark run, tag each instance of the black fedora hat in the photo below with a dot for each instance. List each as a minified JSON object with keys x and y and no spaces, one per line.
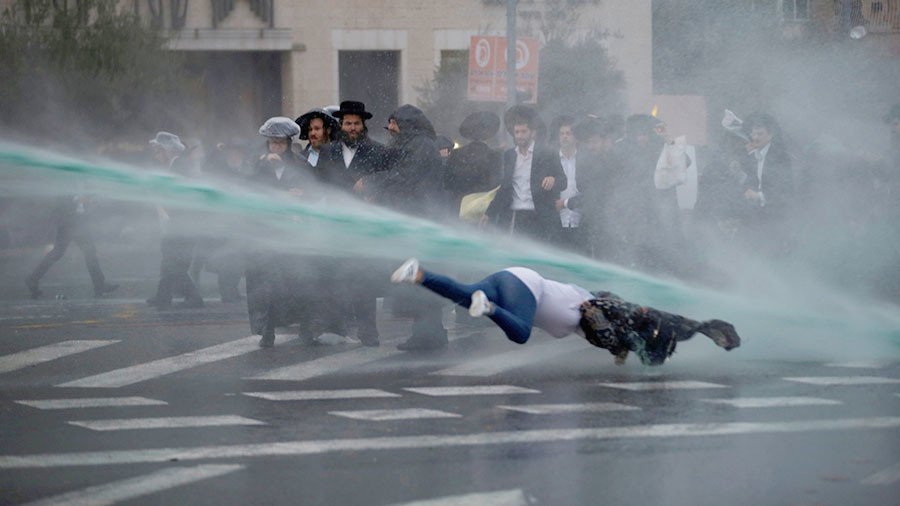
{"x":594,"y":127}
{"x":480,"y":126}
{"x":312,"y":114}
{"x":352,"y":107}
{"x":520,"y":113}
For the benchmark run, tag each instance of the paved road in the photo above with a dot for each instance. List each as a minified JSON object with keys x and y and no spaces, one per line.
{"x":109,"y":402}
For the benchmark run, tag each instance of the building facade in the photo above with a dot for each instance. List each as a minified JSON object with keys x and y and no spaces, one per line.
{"x":264,"y":57}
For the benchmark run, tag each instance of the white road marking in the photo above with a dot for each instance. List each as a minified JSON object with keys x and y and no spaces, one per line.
{"x":884,"y":477}
{"x":495,"y":364}
{"x":93,"y":402}
{"x":314,"y":395}
{"x":557,"y":409}
{"x":663,"y":385}
{"x":844,"y":380}
{"x":500,"y":498}
{"x":331,"y":363}
{"x":155,"y":369}
{"x":327,"y":365}
{"x":173,"y":422}
{"x":123,"y":490}
{"x":527,"y":437}
{"x":861,"y":364}
{"x":472,"y":390}
{"x":773,"y":402}
{"x":47,"y":353}
{"x":394,"y":414}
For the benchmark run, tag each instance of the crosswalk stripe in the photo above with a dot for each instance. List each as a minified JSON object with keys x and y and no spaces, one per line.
{"x":472,"y":390}
{"x":499,"y":498}
{"x":47,"y":353}
{"x":332,"y":363}
{"x":173,"y":422}
{"x":884,"y":477}
{"x":394,"y":414}
{"x":312,"y":395}
{"x":122,"y":490}
{"x":663,"y":385}
{"x":557,"y":409}
{"x":526,"y":437}
{"x":773,"y":402}
{"x":861,"y":364}
{"x":155,"y":369}
{"x":327,"y":365}
{"x":844,"y":380}
{"x":496,"y":364}
{"x":93,"y":402}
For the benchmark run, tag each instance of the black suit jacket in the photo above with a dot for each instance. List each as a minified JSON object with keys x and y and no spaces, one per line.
{"x":777,"y":186}
{"x":544,"y":163}
{"x":370,"y":157}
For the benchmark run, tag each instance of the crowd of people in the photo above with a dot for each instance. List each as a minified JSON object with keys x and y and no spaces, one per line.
{"x":620,"y":190}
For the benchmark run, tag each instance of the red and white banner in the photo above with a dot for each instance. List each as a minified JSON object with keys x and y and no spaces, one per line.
{"x":487,"y":68}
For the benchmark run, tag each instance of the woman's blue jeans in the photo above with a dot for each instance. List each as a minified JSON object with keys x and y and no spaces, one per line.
{"x":514,"y":305}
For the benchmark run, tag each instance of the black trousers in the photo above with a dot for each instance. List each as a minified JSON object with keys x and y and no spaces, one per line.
{"x":69,"y":231}
{"x":177,"y":252}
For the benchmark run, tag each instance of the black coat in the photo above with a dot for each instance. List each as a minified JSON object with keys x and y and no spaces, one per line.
{"x":282,"y":288}
{"x":472,"y":168}
{"x":412,"y":182}
{"x":370,"y":158}
{"x":594,"y":177}
{"x":777,"y":187}
{"x":545,"y":163}
{"x":297,"y":173}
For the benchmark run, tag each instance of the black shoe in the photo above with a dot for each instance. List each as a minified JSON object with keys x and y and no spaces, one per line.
{"x":158,"y":304}
{"x":370,"y":341}
{"x":416,"y":343}
{"x":267,"y":341}
{"x":33,"y":289}
{"x":191,"y":304}
{"x":104,"y":290}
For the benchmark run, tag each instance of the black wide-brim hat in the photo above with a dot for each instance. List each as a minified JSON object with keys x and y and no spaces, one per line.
{"x":592,"y":127}
{"x":322,"y":114}
{"x":517,"y":113}
{"x":480,"y":126}
{"x":352,"y":107}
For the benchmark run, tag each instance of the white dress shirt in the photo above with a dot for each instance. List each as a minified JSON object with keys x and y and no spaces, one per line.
{"x":348,"y":153}
{"x":569,"y":218}
{"x":760,"y":155}
{"x":313,"y":156}
{"x":522,"y":198}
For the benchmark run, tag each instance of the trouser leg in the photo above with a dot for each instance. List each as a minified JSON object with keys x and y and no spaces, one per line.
{"x":176,"y":260}
{"x":514,"y":305}
{"x":85,"y":242}
{"x":60,"y":243}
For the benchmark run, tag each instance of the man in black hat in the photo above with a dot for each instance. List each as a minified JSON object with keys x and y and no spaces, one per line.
{"x":320,"y":129}
{"x":344,"y":163}
{"x":412,"y":184}
{"x":597,"y":167}
{"x":354,"y":154}
{"x":474,"y":167}
{"x":531,"y":182}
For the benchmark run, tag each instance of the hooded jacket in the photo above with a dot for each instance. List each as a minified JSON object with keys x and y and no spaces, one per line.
{"x":412,"y":181}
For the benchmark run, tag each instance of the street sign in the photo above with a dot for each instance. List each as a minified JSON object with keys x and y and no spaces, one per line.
{"x":487,"y":69}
